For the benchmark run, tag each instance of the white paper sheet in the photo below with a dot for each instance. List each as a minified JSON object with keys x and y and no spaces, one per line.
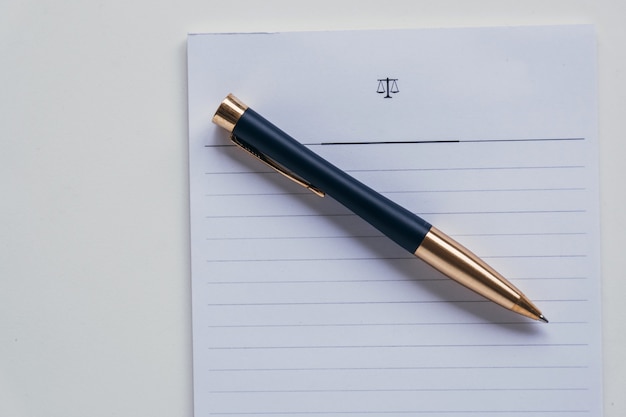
{"x":300,"y":308}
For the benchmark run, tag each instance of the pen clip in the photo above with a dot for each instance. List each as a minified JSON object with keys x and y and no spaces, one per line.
{"x":276,"y":166}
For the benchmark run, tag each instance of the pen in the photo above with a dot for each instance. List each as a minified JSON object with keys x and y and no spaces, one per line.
{"x":262,"y":139}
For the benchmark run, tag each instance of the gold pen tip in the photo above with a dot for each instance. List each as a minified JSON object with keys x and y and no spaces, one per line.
{"x":543,"y":318}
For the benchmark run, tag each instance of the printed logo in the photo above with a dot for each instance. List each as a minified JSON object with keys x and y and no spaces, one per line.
{"x":387,"y":86}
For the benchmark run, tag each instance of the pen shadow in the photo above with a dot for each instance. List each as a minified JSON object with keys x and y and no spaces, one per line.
{"x":425,"y":278}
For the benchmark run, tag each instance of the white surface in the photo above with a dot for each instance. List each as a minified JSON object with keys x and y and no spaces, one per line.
{"x":299,"y":307}
{"x":94,"y":253}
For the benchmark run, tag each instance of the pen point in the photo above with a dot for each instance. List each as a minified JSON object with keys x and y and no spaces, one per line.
{"x":543,"y":319}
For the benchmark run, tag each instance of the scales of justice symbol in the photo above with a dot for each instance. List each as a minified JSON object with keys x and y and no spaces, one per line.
{"x":387,"y":86}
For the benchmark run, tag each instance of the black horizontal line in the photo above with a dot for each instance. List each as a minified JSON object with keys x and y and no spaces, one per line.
{"x":384,"y":142}
{"x":520,"y":234}
{"x":414,"y":142}
{"x":220,"y":145}
{"x":522,"y":140}
{"x":533,"y":256}
{"x":409,"y":142}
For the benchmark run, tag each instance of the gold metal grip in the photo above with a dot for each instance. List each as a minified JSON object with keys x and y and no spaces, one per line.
{"x":454,"y":260}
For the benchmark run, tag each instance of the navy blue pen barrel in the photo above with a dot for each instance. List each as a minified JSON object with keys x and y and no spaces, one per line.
{"x":396,"y":222}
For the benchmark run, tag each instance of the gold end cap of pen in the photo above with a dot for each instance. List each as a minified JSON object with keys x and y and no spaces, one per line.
{"x":229,"y":112}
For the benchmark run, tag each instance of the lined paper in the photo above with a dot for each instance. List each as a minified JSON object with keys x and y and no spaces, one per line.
{"x":301,"y":308}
